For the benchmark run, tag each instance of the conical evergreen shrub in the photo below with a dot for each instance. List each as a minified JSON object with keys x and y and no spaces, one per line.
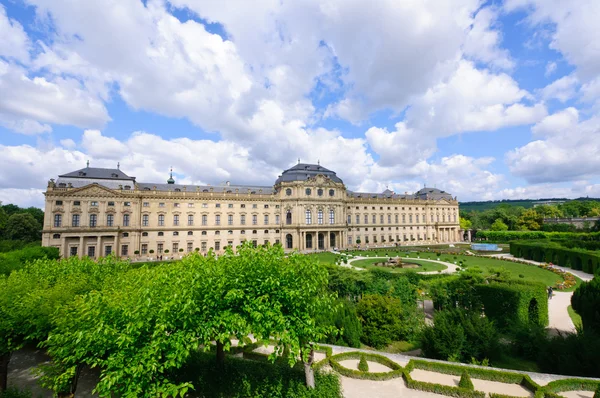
{"x":363,"y":365}
{"x":465,"y":381}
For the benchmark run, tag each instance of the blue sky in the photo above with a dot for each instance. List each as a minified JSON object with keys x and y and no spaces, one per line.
{"x":488,"y":100}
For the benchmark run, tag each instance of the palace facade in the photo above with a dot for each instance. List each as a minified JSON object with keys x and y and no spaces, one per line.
{"x":96,"y":212}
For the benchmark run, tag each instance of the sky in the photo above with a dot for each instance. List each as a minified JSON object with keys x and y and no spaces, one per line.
{"x":487,"y":100}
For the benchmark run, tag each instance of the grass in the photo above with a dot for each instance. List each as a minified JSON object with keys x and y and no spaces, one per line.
{"x":575,"y":317}
{"x":425,"y":266}
{"x":325,"y":257}
{"x":515,"y":363}
{"x":401,"y":346}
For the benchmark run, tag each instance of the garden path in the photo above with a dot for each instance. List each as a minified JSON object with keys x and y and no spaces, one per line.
{"x":558,"y":315}
{"x":582,"y":275}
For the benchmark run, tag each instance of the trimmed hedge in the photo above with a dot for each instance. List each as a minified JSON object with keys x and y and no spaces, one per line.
{"x":552,"y":252}
{"x":505,"y":302}
{"x":507,"y":236}
{"x":357,"y":374}
{"x":16,"y":259}
{"x":478,"y":373}
{"x":571,"y":385}
{"x":437,"y":388}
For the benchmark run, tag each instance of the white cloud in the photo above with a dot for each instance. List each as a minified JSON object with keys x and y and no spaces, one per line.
{"x":68,"y":143}
{"x":32,"y":102}
{"x":562,"y":89}
{"x":100,"y":146}
{"x":472,"y":100}
{"x":31,"y":197}
{"x":15,"y":43}
{"x":403,"y":147}
{"x":570,"y":150}
{"x":483,"y":42}
{"x":550,"y":68}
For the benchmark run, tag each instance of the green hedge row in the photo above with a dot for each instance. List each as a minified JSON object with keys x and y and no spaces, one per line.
{"x":552,"y":252}
{"x":507,"y":236}
{"x":506,"y":302}
{"x":16,"y":259}
{"x":478,"y":373}
{"x":437,"y":388}
{"x":571,"y":385}
{"x":357,"y":374}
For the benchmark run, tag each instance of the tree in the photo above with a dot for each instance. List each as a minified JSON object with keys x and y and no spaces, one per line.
{"x":530,"y":220}
{"x":3,"y":221}
{"x":465,"y":224}
{"x":586,"y":302}
{"x":23,"y":226}
{"x":499,"y":225}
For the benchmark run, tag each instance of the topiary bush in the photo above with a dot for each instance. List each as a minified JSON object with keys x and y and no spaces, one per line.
{"x":465,"y":381}
{"x":363,"y":365}
{"x":586,"y":302}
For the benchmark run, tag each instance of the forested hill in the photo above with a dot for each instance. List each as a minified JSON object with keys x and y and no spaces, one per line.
{"x":526,"y":203}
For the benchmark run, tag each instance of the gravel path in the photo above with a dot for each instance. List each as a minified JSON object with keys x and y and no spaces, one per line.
{"x":558,"y":316}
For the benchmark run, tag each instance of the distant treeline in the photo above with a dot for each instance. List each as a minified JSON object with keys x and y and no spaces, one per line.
{"x":20,"y":227}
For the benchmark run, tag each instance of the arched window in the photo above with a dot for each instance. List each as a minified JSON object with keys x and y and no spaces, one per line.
{"x":320,"y":192}
{"x":288,"y":192}
{"x":190,"y":233}
{"x":144,"y":233}
{"x":203,"y":233}
{"x":309,"y":241}
{"x":331,"y":192}
{"x":288,"y":217}
{"x":56,"y":236}
{"x":161,"y":234}
{"x":320,"y":217}
{"x":331,"y":216}
{"x":308,"y":217}
{"x":308,"y":191}
{"x":289,"y":242}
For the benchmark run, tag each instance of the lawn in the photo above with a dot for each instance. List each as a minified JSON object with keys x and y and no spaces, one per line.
{"x":575,"y":317}
{"x":325,"y":257}
{"x":425,"y":266}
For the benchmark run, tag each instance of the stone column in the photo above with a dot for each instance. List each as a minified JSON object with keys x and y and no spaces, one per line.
{"x":99,"y":247}
{"x":327,"y":243}
{"x":469,"y":235}
{"x":81,"y":248}
{"x":65,"y":252}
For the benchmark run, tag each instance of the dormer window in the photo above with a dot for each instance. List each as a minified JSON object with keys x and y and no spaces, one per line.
{"x":177,"y":190}
{"x":288,"y":192}
{"x":146,"y":189}
{"x":127,"y":187}
{"x":114,"y":175}
{"x":62,"y":185}
{"x":320,"y":192}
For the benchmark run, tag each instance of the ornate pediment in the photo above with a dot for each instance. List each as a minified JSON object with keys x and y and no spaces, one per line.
{"x":319,"y":179}
{"x":93,"y":190}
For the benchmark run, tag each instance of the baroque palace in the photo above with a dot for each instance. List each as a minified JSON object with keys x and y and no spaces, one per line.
{"x":95,"y":212}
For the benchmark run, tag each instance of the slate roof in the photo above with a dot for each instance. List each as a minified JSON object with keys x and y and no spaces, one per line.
{"x":242,"y":189}
{"x":303,"y":171}
{"x":433,"y":193}
{"x":77,"y":182}
{"x":385,"y":194}
{"x":98,"y":173}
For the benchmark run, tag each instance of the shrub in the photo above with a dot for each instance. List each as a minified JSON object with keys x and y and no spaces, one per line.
{"x":597,"y":392}
{"x":13,"y":392}
{"x":465,"y":381}
{"x":346,"y":322}
{"x":576,"y":354}
{"x":384,"y":319}
{"x":586,"y":302}
{"x":460,"y":334}
{"x":363,"y":365}
{"x":16,"y":259}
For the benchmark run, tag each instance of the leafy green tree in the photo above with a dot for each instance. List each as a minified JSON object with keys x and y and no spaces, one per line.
{"x":22,"y":226}
{"x":465,"y":224}
{"x":530,"y":220}
{"x":3,"y":221}
{"x":384,"y":319}
{"x":549,"y":211}
{"x":499,"y":225}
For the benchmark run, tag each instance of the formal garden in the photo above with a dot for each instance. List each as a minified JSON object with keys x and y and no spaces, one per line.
{"x":260,"y":323}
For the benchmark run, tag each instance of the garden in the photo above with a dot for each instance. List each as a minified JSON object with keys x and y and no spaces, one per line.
{"x":183,"y":328}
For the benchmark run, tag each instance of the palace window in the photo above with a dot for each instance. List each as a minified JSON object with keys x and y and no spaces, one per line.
{"x":94,"y":204}
{"x":381,"y":219}
{"x":159,"y":248}
{"x":243,"y":206}
{"x":366,"y":218}
{"x":190,"y":220}
{"x":266,"y":219}
{"x":190,"y":233}
{"x":146,"y":204}
{"x":230,"y":206}
{"x":161,"y":234}
{"x":125,"y":234}
{"x":358,"y":219}
{"x":349,"y":219}
{"x":175,"y":247}
{"x":266,"y":206}
{"x":331,"y":192}
{"x":175,"y":233}
{"x":217,"y":205}
{"x":403,"y":218}
{"x":277,"y":219}
{"x":320,"y":217}
{"x":331,"y":216}
{"x":288,"y":192}
{"x":190,"y":205}
{"x":217,"y":245}
{"x":243,"y":219}
{"x":374,"y":219}
{"x":417,"y":218}
{"x":288,"y":217}
{"x":254,"y":206}
{"x":217,"y":219}
{"x":161,"y":220}
{"x":76,"y":203}
{"x":308,"y":217}
{"x":144,"y":249}
{"x":175,"y":204}
{"x":144,"y":234}
{"x":59,"y":202}
{"x":308,"y":191}
{"x":389,"y":218}
{"x":217,"y":232}
{"x":254,"y":219}
{"x":124,"y":250}
{"x":320,"y":192}
{"x":161,"y":205}
{"x":230,"y":232}
{"x":125,"y":220}
{"x":230,"y":219}
{"x":204,"y":205}
{"x":56,"y":236}
{"x":175,"y":220}
{"x":203,"y":233}
{"x":190,"y":247}
{"x":145,"y":220}
{"x":110,"y":220}
{"x":204,"y":219}
{"x":93,"y":220}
